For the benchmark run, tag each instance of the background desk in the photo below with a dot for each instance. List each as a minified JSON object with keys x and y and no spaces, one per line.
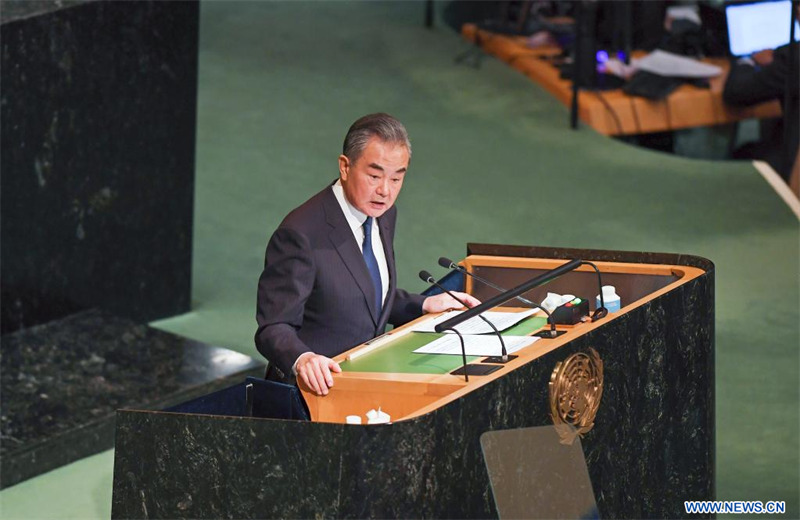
{"x":688,"y":106}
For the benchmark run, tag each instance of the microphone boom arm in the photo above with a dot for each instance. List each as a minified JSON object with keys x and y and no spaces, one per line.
{"x":449,"y":264}
{"x":511,"y":293}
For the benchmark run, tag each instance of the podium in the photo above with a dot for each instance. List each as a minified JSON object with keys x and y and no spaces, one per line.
{"x":637,"y":386}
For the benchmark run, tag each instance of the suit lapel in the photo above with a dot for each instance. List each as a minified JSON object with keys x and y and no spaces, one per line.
{"x":387,"y":238}
{"x":345,"y":243}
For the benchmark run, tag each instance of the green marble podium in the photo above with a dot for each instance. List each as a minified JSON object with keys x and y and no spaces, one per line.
{"x":650,"y":448}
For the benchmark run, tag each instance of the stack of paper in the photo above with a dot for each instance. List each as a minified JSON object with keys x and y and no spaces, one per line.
{"x":476,"y":345}
{"x":501,"y":320}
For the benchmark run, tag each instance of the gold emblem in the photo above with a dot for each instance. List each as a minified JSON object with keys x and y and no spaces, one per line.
{"x":576,"y":386}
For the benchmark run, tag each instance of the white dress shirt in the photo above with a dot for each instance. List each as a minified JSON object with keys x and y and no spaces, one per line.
{"x":356,"y":221}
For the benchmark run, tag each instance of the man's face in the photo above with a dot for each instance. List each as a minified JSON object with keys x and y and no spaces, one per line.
{"x":373,"y":181}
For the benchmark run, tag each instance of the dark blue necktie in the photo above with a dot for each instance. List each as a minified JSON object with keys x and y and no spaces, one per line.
{"x":372,"y":263}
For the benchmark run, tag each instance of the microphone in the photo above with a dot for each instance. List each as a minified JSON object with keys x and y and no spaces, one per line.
{"x":500,"y":299}
{"x":427,"y":278}
{"x":504,"y":357}
{"x":600,"y":312}
{"x":552,"y":333}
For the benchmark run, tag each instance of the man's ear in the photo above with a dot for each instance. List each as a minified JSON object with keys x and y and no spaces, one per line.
{"x":344,"y":167}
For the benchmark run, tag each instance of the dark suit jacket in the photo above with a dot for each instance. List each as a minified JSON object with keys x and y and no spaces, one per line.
{"x":748,"y":85}
{"x":315,"y":293}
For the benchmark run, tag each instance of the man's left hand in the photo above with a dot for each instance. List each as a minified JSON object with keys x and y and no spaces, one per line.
{"x":445,"y":302}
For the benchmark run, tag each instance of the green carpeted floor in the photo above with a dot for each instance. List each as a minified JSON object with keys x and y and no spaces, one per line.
{"x":494,"y":161}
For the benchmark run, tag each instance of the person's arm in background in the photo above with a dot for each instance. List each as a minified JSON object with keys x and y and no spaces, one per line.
{"x":761,"y":79}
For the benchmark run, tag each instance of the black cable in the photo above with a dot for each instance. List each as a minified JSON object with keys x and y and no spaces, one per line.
{"x":576,"y":66}
{"x":463,"y":353}
{"x":601,"y":311}
{"x":717,"y":118}
{"x":635,"y":115}
{"x":428,"y":14}
{"x":789,"y":110}
{"x":669,"y":116}
{"x":610,"y":111}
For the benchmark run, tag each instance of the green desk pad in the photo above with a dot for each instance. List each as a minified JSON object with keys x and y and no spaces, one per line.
{"x":398,"y":356}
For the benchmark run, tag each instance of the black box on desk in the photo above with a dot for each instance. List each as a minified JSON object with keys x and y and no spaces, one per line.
{"x":571,"y":312}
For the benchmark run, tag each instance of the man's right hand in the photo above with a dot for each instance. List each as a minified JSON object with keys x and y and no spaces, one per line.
{"x":764,"y":58}
{"x":315,"y":371}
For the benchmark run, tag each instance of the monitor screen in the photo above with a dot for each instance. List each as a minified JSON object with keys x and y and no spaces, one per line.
{"x":758,"y":26}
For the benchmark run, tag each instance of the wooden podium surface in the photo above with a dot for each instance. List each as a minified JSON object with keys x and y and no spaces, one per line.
{"x":687,"y":107}
{"x":405,"y":384}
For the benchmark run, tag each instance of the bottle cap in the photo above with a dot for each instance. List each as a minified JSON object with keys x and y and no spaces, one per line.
{"x":609,"y":291}
{"x":378,"y":417}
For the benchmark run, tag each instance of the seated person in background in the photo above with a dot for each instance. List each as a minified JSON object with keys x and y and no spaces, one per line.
{"x":554,"y":24}
{"x":329,"y":280}
{"x":763,"y":77}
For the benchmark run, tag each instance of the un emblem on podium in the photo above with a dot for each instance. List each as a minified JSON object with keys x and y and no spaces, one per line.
{"x":576,"y":386}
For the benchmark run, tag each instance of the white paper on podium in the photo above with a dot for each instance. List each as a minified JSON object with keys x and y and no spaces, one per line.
{"x":476,"y":345}
{"x":475,"y":325}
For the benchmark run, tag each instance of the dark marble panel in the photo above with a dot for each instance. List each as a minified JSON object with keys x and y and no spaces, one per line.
{"x":230,"y":467}
{"x":97,"y":133}
{"x":11,"y":10}
{"x":651,"y":448}
{"x":63,"y":381}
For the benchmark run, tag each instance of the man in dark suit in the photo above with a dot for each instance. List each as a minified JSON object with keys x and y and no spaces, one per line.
{"x":329,"y":279}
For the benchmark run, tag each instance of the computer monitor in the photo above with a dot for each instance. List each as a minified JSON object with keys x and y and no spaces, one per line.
{"x":753,"y":27}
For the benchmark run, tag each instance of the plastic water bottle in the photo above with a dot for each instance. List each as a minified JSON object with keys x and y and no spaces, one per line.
{"x":610,"y":298}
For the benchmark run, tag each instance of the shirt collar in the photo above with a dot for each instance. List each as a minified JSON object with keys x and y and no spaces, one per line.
{"x":354,"y":217}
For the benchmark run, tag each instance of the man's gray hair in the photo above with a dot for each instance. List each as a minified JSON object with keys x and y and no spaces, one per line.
{"x":383,"y":126}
